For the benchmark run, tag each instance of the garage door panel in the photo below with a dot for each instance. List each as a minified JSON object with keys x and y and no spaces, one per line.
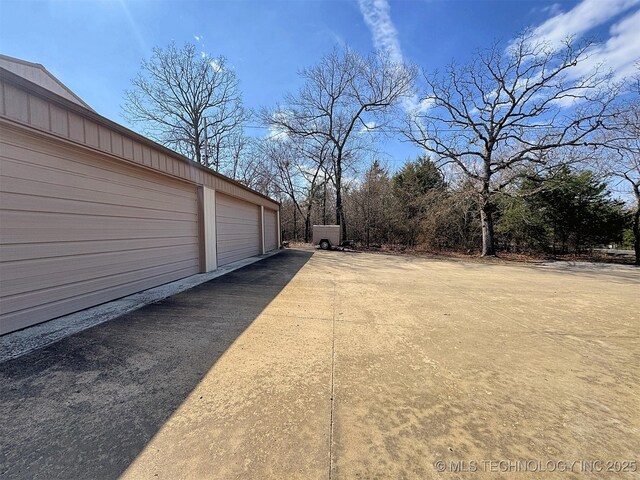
{"x":232,"y":217}
{"x":248,"y":215}
{"x":237,"y":229}
{"x":239,"y":232}
{"x":42,"y":250}
{"x":25,"y":276}
{"x":78,"y":229}
{"x":234,"y":245}
{"x":78,"y":289}
{"x":27,"y":227}
{"x":49,"y":165}
{"x":236,"y":254}
{"x":36,"y":182}
{"x":240,"y":228}
{"x":20,"y":319}
{"x":34,"y":203}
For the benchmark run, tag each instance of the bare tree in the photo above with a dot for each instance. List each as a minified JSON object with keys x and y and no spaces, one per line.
{"x":225,"y":139}
{"x":623,"y":162}
{"x":298,"y":173}
{"x":343,"y":94}
{"x":508,"y":113}
{"x":250,"y":168}
{"x":187,"y":101}
{"x":238,"y":144}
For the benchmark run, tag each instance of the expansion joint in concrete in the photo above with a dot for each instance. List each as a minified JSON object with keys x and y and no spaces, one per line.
{"x":333,"y":366}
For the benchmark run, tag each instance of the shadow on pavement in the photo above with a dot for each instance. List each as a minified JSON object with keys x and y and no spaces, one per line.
{"x":86,"y":406}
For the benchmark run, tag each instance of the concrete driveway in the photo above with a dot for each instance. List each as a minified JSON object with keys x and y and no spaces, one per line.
{"x":343,"y":365}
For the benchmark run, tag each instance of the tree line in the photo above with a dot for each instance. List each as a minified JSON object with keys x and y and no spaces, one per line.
{"x":520,"y":147}
{"x":571,"y":211}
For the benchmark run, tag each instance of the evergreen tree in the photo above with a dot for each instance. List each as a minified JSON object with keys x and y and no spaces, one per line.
{"x":414,"y":188}
{"x":573,"y":211}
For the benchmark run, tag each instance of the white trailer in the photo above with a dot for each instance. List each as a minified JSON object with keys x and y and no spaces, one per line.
{"x":328,"y":236}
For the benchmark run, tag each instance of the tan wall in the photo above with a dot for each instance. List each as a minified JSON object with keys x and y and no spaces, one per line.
{"x":270,"y":229}
{"x":78,"y":229}
{"x":238,"y":229}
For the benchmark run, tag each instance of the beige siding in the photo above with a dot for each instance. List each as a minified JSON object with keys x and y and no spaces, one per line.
{"x":270,"y":229}
{"x":40,"y":76}
{"x":16,"y":104}
{"x":237,"y":229}
{"x":79,"y":228}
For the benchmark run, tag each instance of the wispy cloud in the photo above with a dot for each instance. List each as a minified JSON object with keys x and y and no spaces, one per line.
{"x":619,"y":52}
{"x":377,"y":16}
{"x":553,"y":9}
{"x":582,"y":18}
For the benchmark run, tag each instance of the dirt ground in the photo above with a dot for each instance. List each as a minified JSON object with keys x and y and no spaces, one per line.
{"x":315,"y":364}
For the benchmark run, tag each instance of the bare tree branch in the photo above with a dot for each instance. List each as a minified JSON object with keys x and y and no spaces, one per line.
{"x":187,"y":101}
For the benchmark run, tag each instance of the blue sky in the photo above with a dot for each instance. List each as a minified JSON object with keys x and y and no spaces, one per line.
{"x":95,"y":46}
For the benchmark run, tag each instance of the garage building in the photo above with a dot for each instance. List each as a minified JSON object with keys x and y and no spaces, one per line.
{"x":91,"y":211}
